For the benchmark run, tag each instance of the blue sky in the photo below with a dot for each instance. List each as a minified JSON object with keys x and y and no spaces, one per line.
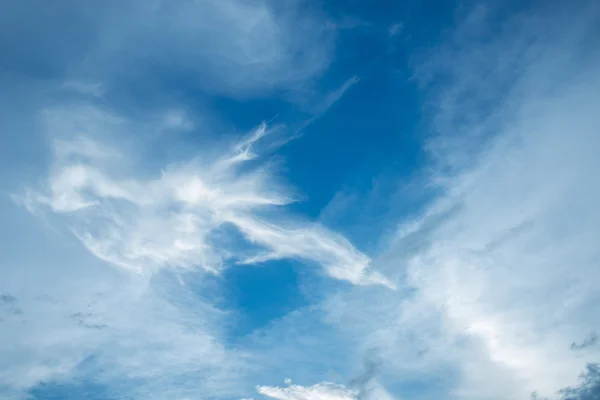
{"x":299,"y":200}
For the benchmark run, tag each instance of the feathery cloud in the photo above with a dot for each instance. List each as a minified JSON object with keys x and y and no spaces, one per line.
{"x":144,"y":223}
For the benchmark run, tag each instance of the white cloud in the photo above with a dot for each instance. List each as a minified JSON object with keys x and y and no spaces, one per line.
{"x":334,"y":96}
{"x":497,"y":278}
{"x":500,"y":272}
{"x":146,"y":222}
{"x":155,"y":218}
{"x":73,"y":319}
{"x":334,"y":252}
{"x":149,"y":335}
{"x":320,"y":391}
{"x":325,"y":391}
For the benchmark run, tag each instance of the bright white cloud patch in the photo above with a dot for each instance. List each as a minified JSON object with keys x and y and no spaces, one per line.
{"x":325,"y":391}
{"x":320,"y":391}
{"x":174,"y":218}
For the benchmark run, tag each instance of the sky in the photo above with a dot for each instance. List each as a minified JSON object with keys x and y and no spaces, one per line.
{"x":299,"y":200}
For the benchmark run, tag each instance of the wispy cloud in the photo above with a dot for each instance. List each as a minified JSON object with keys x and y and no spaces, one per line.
{"x":395,"y":29}
{"x":587,"y":342}
{"x":332,"y":97}
{"x":101,"y":85}
{"x":93,"y":324}
{"x":498,"y":271}
{"x":495,"y":282}
{"x":112,"y":185}
{"x":146,"y":223}
{"x":322,"y":105}
{"x":231,"y":47}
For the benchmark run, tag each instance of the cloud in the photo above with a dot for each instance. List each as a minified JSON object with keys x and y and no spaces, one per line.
{"x":85,"y":322}
{"x":70,"y":319}
{"x":86,"y":88}
{"x":395,"y":29}
{"x":9,"y":305}
{"x":494,"y":280}
{"x":325,"y":391}
{"x":97,"y":106}
{"x":320,"y":391}
{"x":510,"y":267}
{"x":232,"y":47}
{"x":168,"y":219}
{"x":101,"y":93}
{"x":334,"y":96}
{"x":588,"y":389}
{"x":495,"y":277}
{"x":319,"y":106}
{"x":172,"y":218}
{"x":588,"y":341}
{"x":177,"y":120}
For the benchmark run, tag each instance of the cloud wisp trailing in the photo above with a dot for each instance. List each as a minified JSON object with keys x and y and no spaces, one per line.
{"x":177,"y":218}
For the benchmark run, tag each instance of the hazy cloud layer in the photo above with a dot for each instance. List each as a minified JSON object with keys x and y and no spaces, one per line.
{"x":231,"y":47}
{"x":135,"y":196}
{"x":497,"y":275}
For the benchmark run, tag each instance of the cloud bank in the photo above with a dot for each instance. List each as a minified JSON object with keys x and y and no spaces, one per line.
{"x":497,"y":276}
